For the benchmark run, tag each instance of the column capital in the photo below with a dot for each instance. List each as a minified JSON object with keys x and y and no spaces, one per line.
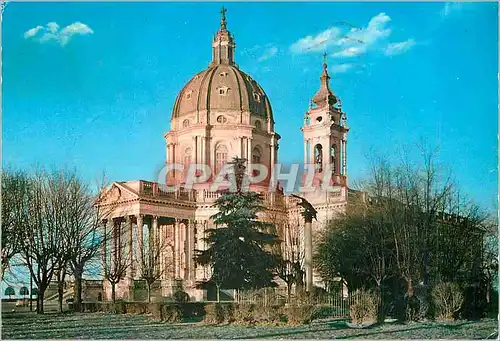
{"x":140,"y":218}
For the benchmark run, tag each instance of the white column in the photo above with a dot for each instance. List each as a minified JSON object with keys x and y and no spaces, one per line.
{"x":140,"y":243}
{"x":308,"y":256}
{"x":176,"y":249}
{"x":344,"y":158}
{"x":312,"y":156}
{"x":113,"y":244}
{"x":305,"y":152}
{"x":240,"y":146}
{"x":203,"y":158}
{"x":187,"y":251}
{"x":249,"y":151}
{"x":105,"y":234}
{"x":195,"y":149}
{"x":130,"y":249}
{"x":326,"y":151}
{"x":272,"y":149}
{"x":155,"y":231}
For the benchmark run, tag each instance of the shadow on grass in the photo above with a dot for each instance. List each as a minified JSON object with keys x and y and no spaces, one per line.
{"x":420,"y":327}
{"x":337,"y":325}
{"x":340,"y":326}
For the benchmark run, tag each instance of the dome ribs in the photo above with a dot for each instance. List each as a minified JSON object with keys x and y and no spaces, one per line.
{"x":239,"y":93}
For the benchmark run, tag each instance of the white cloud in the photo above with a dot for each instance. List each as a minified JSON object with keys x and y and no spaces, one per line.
{"x":268,"y":53}
{"x":51,"y":32}
{"x":398,"y":48}
{"x":316,"y":43}
{"x":374,"y":31}
{"x":52,"y":27}
{"x":76,"y":28}
{"x":340,"y":68}
{"x":350,"y":51}
{"x":353,"y":42}
{"x":32,"y":32}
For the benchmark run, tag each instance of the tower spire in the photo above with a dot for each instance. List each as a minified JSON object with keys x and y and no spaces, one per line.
{"x":324,"y":75}
{"x":324,"y":95}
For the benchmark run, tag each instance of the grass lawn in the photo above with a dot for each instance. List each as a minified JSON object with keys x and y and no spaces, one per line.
{"x":27,"y":325}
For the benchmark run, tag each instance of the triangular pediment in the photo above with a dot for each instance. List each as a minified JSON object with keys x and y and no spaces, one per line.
{"x":116,"y":193}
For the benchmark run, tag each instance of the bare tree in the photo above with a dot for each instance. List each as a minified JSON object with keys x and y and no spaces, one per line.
{"x":413,"y":196}
{"x":291,"y":258}
{"x":289,"y":251}
{"x":43,"y":247}
{"x":15,"y":187}
{"x":84,"y":234}
{"x":154,"y":262}
{"x":115,"y":254}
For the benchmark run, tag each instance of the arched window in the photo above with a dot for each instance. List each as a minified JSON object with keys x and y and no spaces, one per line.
{"x":220,"y":157}
{"x":185,"y":123}
{"x":10,"y":292}
{"x":258,"y":125}
{"x":318,"y":157}
{"x":256,"y":155}
{"x":333,"y":158}
{"x":24,"y":291}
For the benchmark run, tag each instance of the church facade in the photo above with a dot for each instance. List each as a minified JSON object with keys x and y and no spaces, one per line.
{"x":220,"y":113}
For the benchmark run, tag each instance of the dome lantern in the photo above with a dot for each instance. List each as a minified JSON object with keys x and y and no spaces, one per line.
{"x":222,"y":87}
{"x":223,"y":44}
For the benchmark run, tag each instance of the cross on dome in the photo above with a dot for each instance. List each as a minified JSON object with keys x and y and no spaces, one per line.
{"x":223,"y":21}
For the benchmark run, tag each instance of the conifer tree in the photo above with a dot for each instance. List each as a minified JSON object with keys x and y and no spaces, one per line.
{"x":239,"y":248}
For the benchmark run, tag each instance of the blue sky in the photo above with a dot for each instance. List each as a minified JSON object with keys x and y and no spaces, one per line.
{"x":92,"y":85}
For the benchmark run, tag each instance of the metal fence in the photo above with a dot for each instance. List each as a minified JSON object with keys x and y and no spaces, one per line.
{"x":337,"y":304}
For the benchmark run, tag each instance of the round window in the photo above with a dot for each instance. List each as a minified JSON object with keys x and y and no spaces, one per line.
{"x":221,"y":119}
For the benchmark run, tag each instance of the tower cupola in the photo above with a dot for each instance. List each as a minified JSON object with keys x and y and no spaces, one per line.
{"x":223,"y":44}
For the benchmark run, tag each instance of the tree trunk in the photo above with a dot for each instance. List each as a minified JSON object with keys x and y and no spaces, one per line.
{"x":113,"y":292}
{"x":380,"y":309}
{"x":289,"y":291}
{"x":39,"y":303}
{"x":60,"y":293}
{"x":77,"y":304}
{"x":410,"y":287}
{"x":149,"y":292}
{"x":218,"y":294}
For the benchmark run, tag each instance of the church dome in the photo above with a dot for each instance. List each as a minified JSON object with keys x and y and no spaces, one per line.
{"x":222,"y":86}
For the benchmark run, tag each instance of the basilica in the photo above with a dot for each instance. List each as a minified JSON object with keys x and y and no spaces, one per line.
{"x":222,"y":112}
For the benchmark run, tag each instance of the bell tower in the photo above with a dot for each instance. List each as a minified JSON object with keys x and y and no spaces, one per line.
{"x":325,"y":135}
